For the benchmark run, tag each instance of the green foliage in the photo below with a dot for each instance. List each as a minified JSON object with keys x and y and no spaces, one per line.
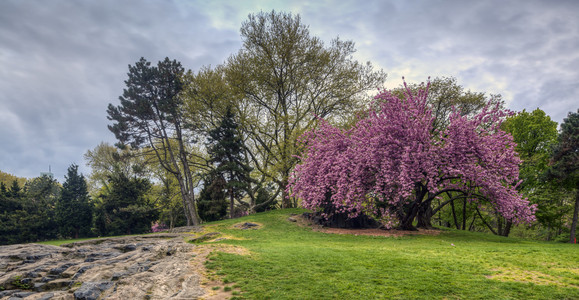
{"x":7,"y":202}
{"x":445,"y":95}
{"x":125,"y":209}
{"x":29,"y":214}
{"x":292,"y":262}
{"x":212,"y":202}
{"x":7,"y":179}
{"x":226,"y":149}
{"x":566,"y":152}
{"x":151,"y":114}
{"x":535,"y":133}
{"x":105,"y":160}
{"x":15,"y":191}
{"x":169,"y":201}
{"x":566,"y":163}
{"x":263,"y":199}
{"x":17,"y":283}
{"x":74,"y":211}
{"x":285,"y":78}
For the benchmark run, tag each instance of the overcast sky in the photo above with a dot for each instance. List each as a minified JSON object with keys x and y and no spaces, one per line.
{"x":63,"y":62}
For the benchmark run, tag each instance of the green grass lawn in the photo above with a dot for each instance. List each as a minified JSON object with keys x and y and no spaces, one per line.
{"x":292,"y":262}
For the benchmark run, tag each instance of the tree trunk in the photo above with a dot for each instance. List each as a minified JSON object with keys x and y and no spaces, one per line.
{"x":464,"y":214}
{"x":472,"y":223}
{"x":507,"y":229}
{"x":186,"y":210}
{"x":190,"y":211}
{"x":499,"y":224}
{"x":485,"y":222}
{"x":572,"y":237}
{"x":285,"y":201}
{"x":408,"y":218}
{"x":454,"y":215}
{"x":231,"y":202}
{"x":424,"y":216}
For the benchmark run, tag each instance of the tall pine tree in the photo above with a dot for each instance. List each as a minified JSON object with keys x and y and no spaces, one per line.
{"x":73,"y":208}
{"x":212,"y":203}
{"x":125,"y":208}
{"x":566,"y":163}
{"x":226,"y":149}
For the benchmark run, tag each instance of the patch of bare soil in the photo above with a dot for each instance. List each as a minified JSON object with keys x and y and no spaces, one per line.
{"x":302,"y":221}
{"x":214,"y":286}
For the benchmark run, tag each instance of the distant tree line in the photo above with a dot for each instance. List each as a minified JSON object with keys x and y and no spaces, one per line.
{"x":45,"y":210}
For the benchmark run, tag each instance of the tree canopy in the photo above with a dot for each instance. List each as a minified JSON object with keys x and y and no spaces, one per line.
{"x":390,"y":163}
{"x":286,"y":77}
{"x":151,"y":113}
{"x":566,"y":162}
{"x":227,"y":152}
{"x":73,"y":208}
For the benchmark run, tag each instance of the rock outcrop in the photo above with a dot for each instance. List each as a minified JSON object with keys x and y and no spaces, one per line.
{"x":156,"y":266}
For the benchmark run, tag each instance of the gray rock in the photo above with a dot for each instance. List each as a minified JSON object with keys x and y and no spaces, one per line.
{"x":48,"y":278}
{"x":46,"y":296}
{"x":8,"y":293}
{"x":128,"y":248}
{"x":36,"y":257}
{"x":39,"y":286}
{"x":60,"y":269}
{"x":57,"y":284}
{"x":32,"y":274}
{"x":81,"y":271}
{"x":22,"y":294}
{"x":155,"y":266}
{"x":92,"y":290}
{"x":118,"y":275}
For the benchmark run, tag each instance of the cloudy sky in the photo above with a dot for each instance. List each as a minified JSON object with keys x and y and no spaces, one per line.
{"x":63,"y":62}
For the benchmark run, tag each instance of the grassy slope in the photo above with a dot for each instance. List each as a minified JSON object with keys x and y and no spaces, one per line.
{"x":292,"y":262}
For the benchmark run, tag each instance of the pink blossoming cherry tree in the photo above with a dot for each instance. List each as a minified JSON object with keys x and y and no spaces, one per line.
{"x":392,"y":163}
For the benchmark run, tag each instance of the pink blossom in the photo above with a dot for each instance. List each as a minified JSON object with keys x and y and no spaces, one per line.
{"x":391,"y":159}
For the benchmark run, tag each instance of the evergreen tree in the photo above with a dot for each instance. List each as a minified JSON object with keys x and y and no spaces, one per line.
{"x":151,"y":115}
{"x":31,"y":217}
{"x":7,"y":204}
{"x":15,"y":190}
{"x":3,"y":190}
{"x":227,"y":154}
{"x":125,"y":208}
{"x":212,"y":203}
{"x":566,"y":163}
{"x":73,"y":208}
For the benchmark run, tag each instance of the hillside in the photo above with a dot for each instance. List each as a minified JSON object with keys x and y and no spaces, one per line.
{"x":277,"y":255}
{"x":292,"y":261}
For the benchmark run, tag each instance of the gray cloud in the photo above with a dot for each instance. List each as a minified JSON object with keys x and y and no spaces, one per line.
{"x":62,"y":62}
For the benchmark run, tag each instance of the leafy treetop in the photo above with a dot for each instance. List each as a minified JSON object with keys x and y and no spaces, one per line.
{"x":391,"y":162}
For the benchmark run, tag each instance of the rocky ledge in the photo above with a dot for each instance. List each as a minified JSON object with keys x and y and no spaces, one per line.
{"x":156,"y":266}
